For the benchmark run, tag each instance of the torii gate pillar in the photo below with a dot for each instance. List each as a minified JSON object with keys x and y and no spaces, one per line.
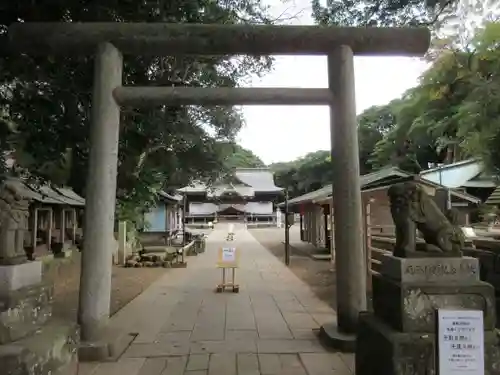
{"x":350,"y":259}
{"x":100,"y":197}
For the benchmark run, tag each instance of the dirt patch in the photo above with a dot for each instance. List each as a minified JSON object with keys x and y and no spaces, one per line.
{"x":126,"y":284}
{"x":319,"y":275}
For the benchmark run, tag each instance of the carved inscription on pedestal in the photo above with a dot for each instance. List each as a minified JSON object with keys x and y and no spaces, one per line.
{"x":431,"y":269}
{"x":441,"y":270}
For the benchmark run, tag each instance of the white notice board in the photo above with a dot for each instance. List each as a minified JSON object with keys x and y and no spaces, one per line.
{"x":460,"y":342}
{"x":228,"y":254}
{"x":228,"y":257}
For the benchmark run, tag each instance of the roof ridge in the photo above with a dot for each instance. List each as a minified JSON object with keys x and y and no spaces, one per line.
{"x":253,"y":169}
{"x":451,"y":165}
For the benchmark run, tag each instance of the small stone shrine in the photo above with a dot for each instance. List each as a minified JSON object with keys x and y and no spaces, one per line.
{"x":400,"y":336}
{"x":31,"y":342}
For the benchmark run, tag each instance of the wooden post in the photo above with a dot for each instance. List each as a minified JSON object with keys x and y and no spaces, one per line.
{"x":309,"y":224}
{"x":301,"y":223}
{"x":184,"y":205}
{"x":368,"y":243}
{"x":49,"y":231}
{"x":313,"y":225}
{"x":325,"y":224}
{"x":167,"y":216}
{"x":35,"y":228}
{"x":62,"y":228}
{"x":122,"y":242}
{"x":332,"y":234}
{"x":287,"y":231}
{"x":75,"y":225}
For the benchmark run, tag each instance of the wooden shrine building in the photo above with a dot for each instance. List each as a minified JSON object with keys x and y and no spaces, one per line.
{"x":248,"y":195}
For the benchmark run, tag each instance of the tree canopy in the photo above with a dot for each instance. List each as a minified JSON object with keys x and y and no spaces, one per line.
{"x":383,"y":12}
{"x":240,"y":157}
{"x":305,"y":174}
{"x":45,"y":101}
{"x":451,"y":115}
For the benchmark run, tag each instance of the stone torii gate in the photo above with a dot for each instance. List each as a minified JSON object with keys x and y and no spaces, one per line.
{"x":108,"y":41}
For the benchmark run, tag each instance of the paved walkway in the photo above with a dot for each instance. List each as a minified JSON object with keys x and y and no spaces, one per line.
{"x":185,"y":328}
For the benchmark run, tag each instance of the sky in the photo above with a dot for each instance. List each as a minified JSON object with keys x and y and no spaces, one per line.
{"x":284,"y":133}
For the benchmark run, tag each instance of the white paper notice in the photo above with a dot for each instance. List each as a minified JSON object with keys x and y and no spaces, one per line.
{"x":461,"y":342}
{"x":229,"y":255}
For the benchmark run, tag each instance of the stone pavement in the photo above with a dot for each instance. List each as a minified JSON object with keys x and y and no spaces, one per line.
{"x":184,"y":328}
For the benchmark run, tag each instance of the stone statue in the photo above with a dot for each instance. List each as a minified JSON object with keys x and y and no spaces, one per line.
{"x":413,"y":209}
{"x":14,"y":214}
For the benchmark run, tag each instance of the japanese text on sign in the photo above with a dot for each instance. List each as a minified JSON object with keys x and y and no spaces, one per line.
{"x":461,"y":342}
{"x":228,"y":254}
{"x":228,"y":257}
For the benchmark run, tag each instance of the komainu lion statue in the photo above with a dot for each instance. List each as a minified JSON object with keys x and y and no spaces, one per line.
{"x":412,"y":209}
{"x":14,"y":214}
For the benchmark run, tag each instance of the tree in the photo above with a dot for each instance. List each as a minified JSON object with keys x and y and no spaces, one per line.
{"x":373,"y":124}
{"x":453,"y":113}
{"x":305,"y":174}
{"x":478,"y":116}
{"x":314,"y":170}
{"x":383,"y":12}
{"x":239,"y":157}
{"x":46,"y":100}
{"x":402,"y":146}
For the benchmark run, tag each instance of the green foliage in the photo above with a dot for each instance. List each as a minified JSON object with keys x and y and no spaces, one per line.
{"x":46,"y":101}
{"x":382,"y":12}
{"x":236,"y":156}
{"x":373,"y":125}
{"x":451,"y":115}
{"x":305,"y":174}
{"x":454,"y":112}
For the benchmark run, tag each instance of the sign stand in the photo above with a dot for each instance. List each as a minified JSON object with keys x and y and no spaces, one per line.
{"x":228,"y":259}
{"x":227,"y":284}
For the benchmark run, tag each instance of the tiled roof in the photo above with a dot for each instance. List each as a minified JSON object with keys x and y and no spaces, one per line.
{"x":309,"y":197}
{"x":494,"y":198}
{"x":454,"y":192}
{"x":228,"y":189}
{"x":46,"y":194}
{"x":195,"y":187}
{"x":250,"y":180}
{"x":465,"y":173}
{"x":170,"y":197}
{"x":365,"y":180}
{"x":261,"y":179}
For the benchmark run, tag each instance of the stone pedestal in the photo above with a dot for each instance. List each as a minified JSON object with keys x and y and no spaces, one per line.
{"x":31,"y":342}
{"x":16,"y":277}
{"x":400,"y":334}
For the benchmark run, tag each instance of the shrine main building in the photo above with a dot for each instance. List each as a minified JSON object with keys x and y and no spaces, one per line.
{"x":248,"y":194}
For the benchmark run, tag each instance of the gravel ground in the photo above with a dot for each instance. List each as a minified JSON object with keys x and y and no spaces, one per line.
{"x":319,"y":275}
{"x":126,"y":284}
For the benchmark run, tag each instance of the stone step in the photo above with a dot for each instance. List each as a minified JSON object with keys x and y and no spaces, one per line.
{"x":154,"y":249}
{"x":51,"y":350}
